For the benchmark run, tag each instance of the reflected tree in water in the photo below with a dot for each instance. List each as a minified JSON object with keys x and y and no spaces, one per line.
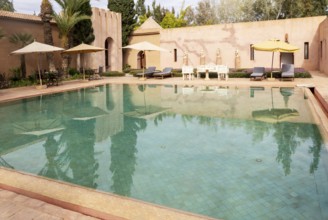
{"x":123,"y":149}
{"x":287,"y":141}
{"x":78,"y":139}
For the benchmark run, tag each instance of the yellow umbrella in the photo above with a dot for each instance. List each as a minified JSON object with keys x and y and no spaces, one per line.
{"x":275,"y":45}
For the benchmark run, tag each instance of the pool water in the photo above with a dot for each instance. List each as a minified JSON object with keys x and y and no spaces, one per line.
{"x":231,"y":153}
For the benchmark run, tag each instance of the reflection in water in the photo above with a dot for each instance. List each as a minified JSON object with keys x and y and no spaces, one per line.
{"x":206,"y":138}
{"x":123,"y":149}
{"x":79,"y":139}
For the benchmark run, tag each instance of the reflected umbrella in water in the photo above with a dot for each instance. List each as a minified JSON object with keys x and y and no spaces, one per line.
{"x":286,"y":92}
{"x":275,"y":115}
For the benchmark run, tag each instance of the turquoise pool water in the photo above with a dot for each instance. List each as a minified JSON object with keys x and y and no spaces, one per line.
{"x":231,"y":153}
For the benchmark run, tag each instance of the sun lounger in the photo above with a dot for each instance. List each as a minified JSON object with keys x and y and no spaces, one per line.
{"x":167,"y":71}
{"x":258,"y":73}
{"x":148,"y":72}
{"x":287,"y":71}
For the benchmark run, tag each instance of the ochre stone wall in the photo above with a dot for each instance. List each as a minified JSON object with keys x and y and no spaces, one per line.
{"x":12,"y":23}
{"x":323,"y":47}
{"x":106,"y":24}
{"x":230,"y":38}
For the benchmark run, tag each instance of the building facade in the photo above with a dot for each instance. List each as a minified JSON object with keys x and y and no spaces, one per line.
{"x":224,"y":43}
{"x":107,"y":31}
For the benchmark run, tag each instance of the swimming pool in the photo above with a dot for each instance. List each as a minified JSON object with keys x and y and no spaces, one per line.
{"x":224,"y":152}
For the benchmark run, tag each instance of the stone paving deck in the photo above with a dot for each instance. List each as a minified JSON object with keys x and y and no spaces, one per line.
{"x":17,"y":206}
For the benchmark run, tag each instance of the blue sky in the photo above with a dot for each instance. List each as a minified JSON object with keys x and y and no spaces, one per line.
{"x":33,"y":6}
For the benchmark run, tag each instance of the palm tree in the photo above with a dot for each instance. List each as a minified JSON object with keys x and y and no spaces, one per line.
{"x":46,"y":16}
{"x":65,"y":24}
{"x":21,"y":39}
{"x":66,"y":20}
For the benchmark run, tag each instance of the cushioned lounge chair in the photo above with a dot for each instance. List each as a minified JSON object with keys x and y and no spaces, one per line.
{"x":167,"y":71}
{"x":148,"y":72}
{"x":258,"y":73}
{"x":287,"y":71}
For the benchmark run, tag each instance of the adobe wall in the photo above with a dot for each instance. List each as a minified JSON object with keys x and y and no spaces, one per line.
{"x":239,"y":36}
{"x":12,"y":23}
{"x":323,"y":47}
{"x":106,"y":26}
{"x":152,"y":58}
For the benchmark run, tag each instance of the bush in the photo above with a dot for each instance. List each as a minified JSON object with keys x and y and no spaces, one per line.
{"x":15,"y":74}
{"x":126,"y":68}
{"x":113,"y":73}
{"x":73,"y":71}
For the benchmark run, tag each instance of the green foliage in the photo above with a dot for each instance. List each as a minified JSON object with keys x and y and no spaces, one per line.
{"x":205,"y":14}
{"x":113,"y":73}
{"x":15,"y":74}
{"x":303,"y":75}
{"x":83,"y":31}
{"x":126,"y":8}
{"x":170,"y":21}
{"x":158,"y":12}
{"x":66,"y":22}
{"x":73,"y":71}
{"x":69,"y":17}
{"x":6,"y":5}
{"x":126,"y":68}
{"x":21,"y":39}
{"x":140,"y":7}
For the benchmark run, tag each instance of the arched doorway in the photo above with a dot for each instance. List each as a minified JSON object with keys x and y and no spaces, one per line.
{"x":108,"y":52}
{"x":141,"y":60}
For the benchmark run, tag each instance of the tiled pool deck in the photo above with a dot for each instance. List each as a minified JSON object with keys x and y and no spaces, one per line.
{"x":25,"y":196}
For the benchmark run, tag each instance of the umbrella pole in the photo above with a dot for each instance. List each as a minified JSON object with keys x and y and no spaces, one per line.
{"x":37,"y":58}
{"x":143,"y":65}
{"x":272,"y":63}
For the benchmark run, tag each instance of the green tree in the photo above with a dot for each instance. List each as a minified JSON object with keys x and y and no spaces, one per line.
{"x":21,"y":39}
{"x":141,"y":13}
{"x":140,"y":7}
{"x":170,"y":21}
{"x":7,"y":5}
{"x":66,"y":20}
{"x":83,"y":31}
{"x":158,"y":12}
{"x":205,"y":15}
{"x":46,"y":17}
{"x":128,"y":13}
{"x":190,"y":16}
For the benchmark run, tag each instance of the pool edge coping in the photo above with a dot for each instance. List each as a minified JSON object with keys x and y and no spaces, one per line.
{"x":87,"y":201}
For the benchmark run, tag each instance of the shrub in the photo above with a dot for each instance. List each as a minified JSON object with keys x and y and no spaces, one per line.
{"x":126,"y":68}
{"x":15,"y":74}
{"x":73,"y":71}
{"x":113,"y":73}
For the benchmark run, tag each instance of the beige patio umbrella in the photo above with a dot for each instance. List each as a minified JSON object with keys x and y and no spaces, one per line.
{"x":145,"y":46}
{"x":274,"y":45}
{"x":81,"y":49}
{"x":37,"y":48}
